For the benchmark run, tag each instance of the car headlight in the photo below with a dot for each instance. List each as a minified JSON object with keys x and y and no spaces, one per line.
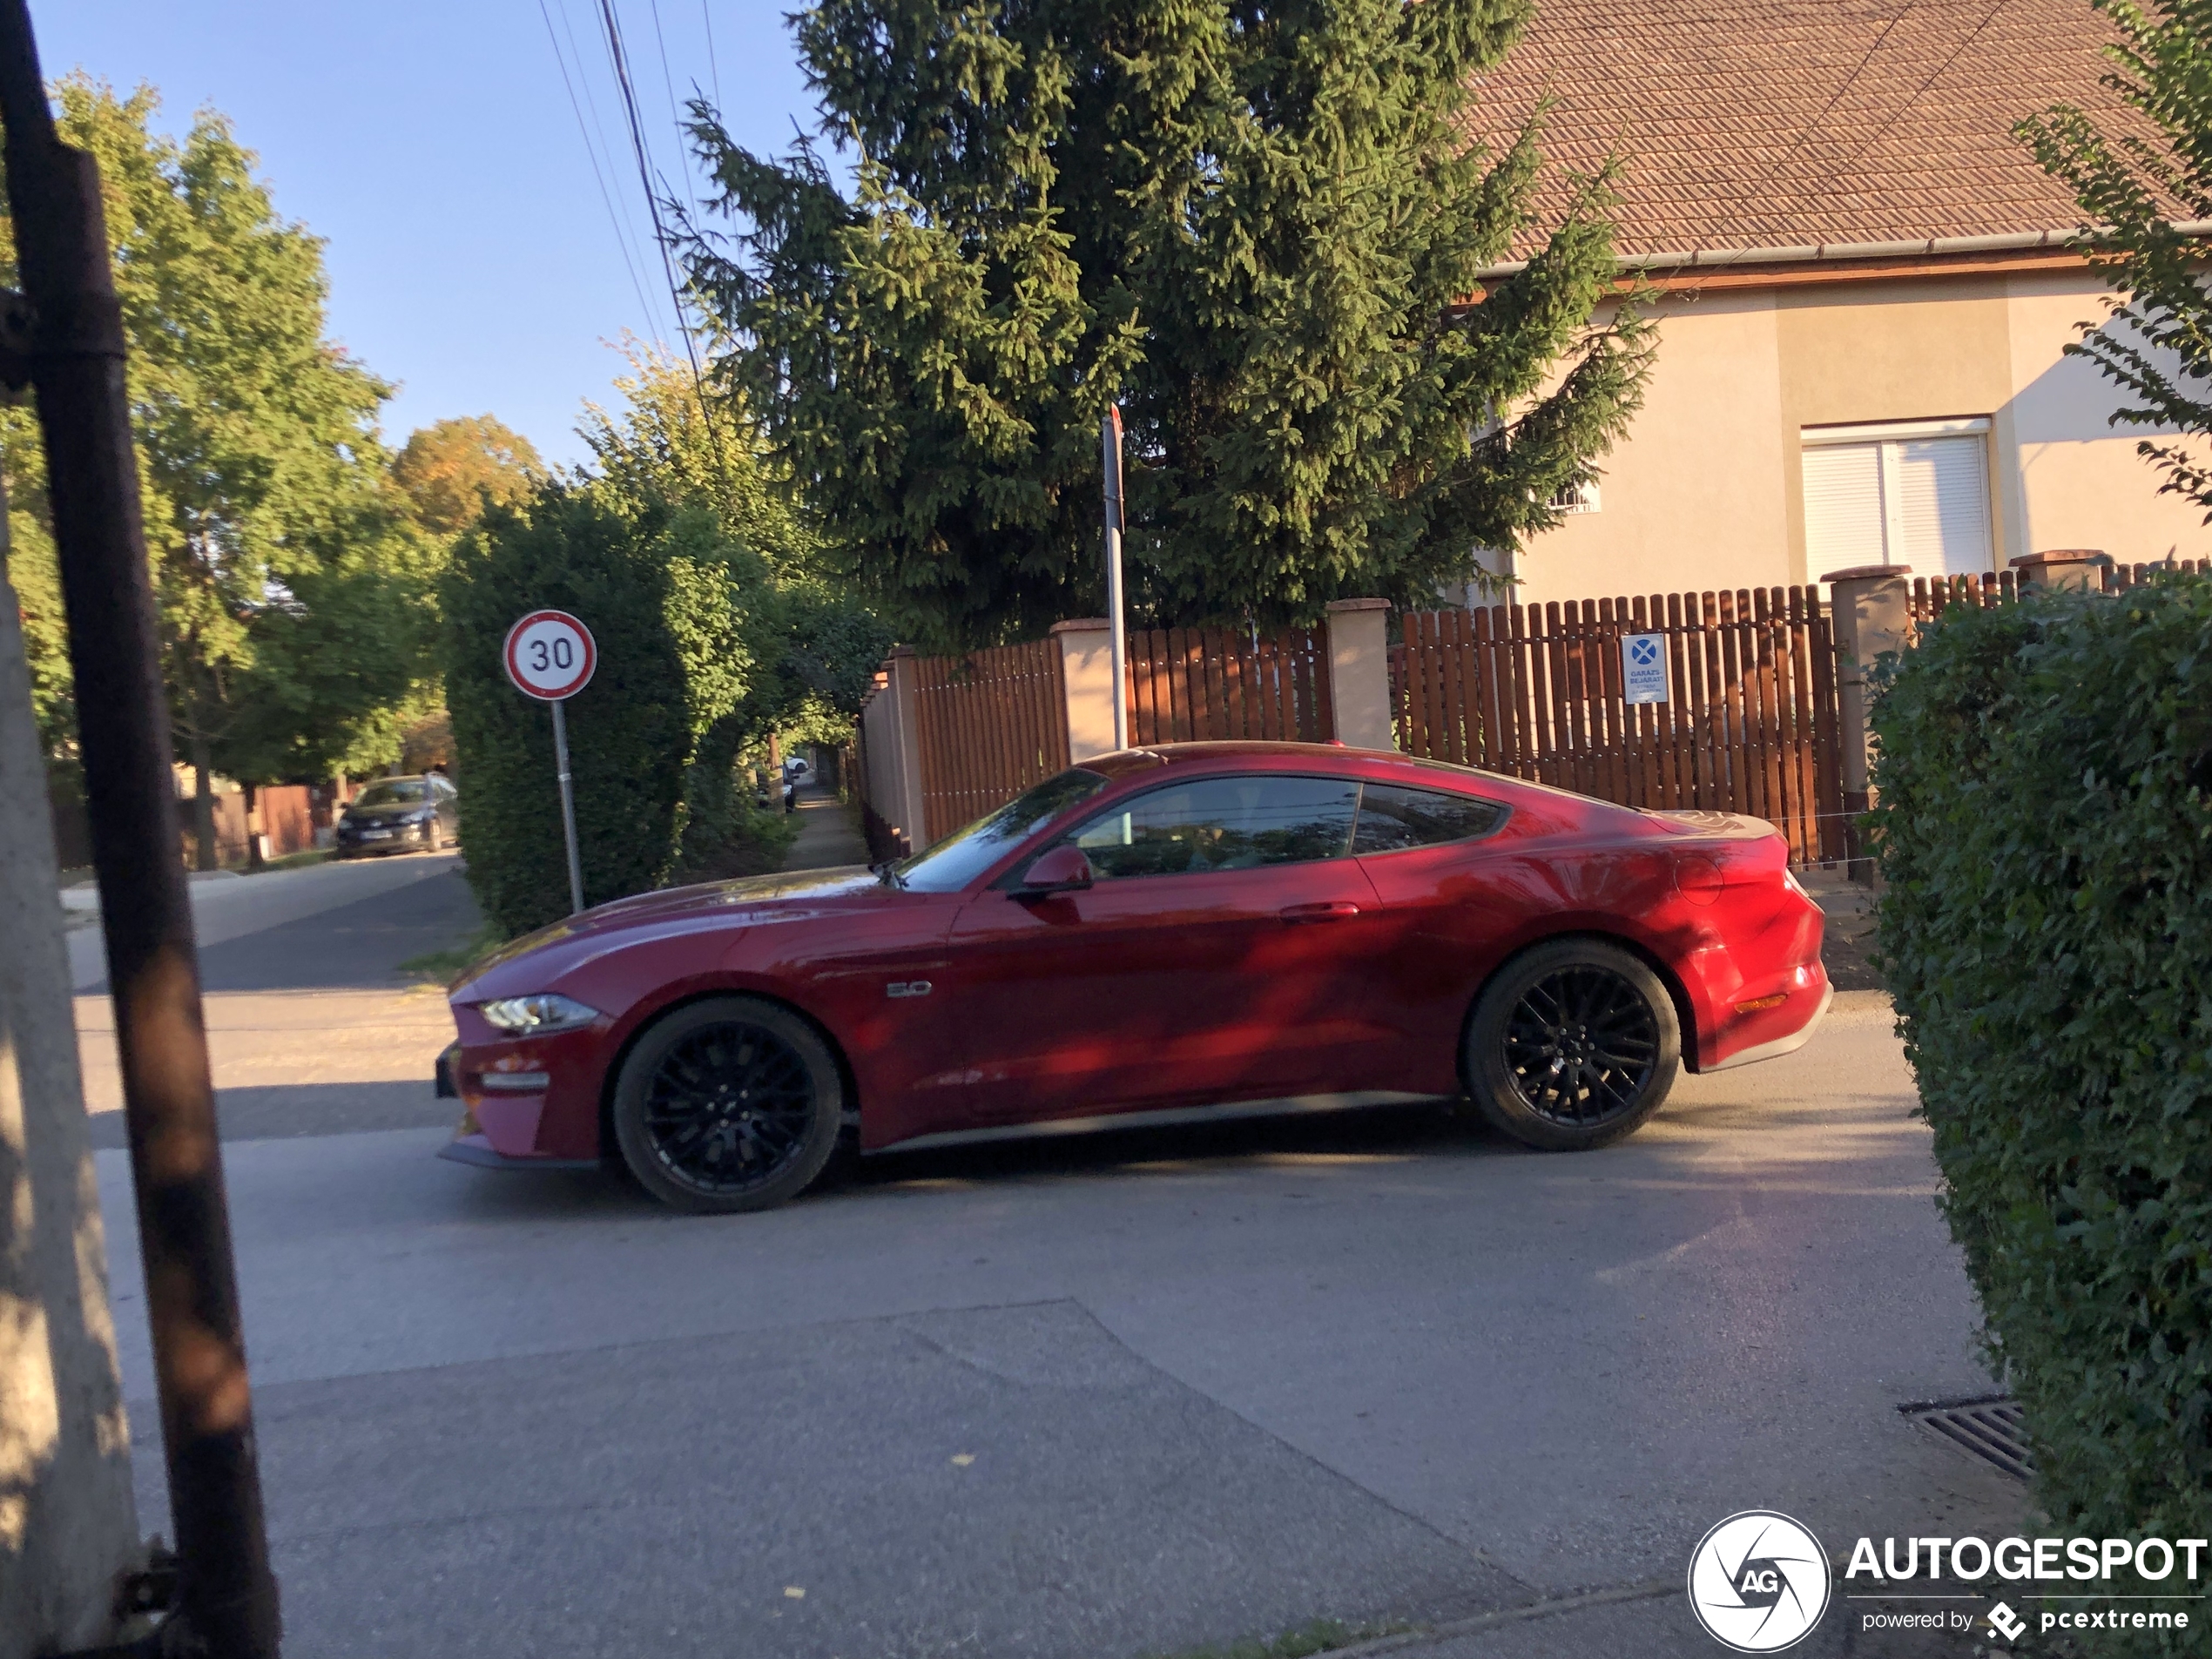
{"x":536,"y":1016}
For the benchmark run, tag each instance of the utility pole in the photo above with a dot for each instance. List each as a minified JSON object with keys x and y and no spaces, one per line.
{"x":73,"y":1534}
{"x":71,"y":347}
{"x":1110,"y":435}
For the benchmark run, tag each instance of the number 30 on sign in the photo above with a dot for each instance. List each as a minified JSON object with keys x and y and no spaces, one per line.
{"x":551,"y":656}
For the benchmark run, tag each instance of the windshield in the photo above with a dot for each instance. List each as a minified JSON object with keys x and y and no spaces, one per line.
{"x":958,"y":859}
{"x":391,"y":795}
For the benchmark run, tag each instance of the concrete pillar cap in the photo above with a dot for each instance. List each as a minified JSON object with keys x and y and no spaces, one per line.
{"x":1357,"y":604}
{"x":2056,"y":556}
{"x":1081,"y":626}
{"x":1861,"y":572}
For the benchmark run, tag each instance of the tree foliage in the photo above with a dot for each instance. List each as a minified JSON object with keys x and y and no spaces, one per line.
{"x":2134,"y":182}
{"x":450,"y":470}
{"x":1255,"y":229}
{"x":2045,"y":782}
{"x":287,"y":575}
{"x":664,"y":595}
{"x":820,"y":647}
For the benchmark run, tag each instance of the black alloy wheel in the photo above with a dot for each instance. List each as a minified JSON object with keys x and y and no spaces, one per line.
{"x":732,"y":1103}
{"x":1573,"y":1045}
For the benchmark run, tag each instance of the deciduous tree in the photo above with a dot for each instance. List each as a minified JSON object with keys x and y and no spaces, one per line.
{"x":451,"y":469}
{"x":287,"y":571}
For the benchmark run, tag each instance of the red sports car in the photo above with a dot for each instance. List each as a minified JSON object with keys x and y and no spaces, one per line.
{"x":1195,"y":931}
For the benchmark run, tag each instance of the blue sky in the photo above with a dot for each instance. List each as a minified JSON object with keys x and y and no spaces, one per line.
{"x":472,"y":257}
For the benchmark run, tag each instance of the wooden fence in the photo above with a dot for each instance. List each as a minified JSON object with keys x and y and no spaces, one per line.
{"x":1537,"y":693}
{"x":1190,"y":684}
{"x":989,"y":725}
{"x":1932,"y":596}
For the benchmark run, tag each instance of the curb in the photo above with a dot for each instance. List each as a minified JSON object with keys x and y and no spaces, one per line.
{"x":1411,"y":1642}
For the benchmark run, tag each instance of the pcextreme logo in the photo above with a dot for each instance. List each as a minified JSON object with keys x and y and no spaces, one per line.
{"x":1759,"y":1581}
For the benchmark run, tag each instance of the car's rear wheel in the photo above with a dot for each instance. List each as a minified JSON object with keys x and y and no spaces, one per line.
{"x":1573,"y":1045}
{"x":728,"y":1104}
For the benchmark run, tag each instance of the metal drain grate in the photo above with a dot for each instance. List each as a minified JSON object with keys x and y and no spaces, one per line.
{"x":1990,"y":1427}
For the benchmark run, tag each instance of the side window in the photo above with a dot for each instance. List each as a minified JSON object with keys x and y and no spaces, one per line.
{"x":1392,"y":818}
{"x":1223,"y":824}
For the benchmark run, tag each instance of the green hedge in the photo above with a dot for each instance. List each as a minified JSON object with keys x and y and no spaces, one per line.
{"x":653,"y":738}
{"x":2045,"y":826}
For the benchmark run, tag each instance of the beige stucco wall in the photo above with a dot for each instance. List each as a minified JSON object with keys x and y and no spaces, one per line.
{"x":1696,"y":497}
{"x":2076,"y":480}
{"x":1707,"y":491}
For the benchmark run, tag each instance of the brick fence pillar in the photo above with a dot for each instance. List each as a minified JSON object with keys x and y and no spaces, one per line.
{"x":1871,"y":609}
{"x":2067,"y":567}
{"x":1087,"y":685}
{"x":1359,"y":673}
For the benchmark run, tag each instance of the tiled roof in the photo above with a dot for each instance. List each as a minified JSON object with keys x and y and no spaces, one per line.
{"x":1786,"y":122}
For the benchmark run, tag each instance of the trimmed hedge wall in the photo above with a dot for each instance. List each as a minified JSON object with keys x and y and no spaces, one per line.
{"x":2045,"y":826}
{"x":657,"y":727}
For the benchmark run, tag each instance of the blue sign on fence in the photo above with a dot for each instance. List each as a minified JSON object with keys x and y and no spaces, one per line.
{"x":1643,"y":667}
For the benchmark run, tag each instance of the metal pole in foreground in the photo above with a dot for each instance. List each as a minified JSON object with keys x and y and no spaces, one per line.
{"x":74,"y":353}
{"x":568,"y":809}
{"x":1111,"y":442}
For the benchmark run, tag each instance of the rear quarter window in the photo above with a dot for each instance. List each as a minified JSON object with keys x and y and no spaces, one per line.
{"x":1393,"y":818}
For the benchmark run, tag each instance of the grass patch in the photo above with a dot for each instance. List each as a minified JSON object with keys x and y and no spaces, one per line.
{"x":1323,"y":1635}
{"x":291,"y":861}
{"x":443,"y":966}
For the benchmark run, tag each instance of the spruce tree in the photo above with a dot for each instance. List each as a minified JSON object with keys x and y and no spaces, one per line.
{"x":1261,"y":230}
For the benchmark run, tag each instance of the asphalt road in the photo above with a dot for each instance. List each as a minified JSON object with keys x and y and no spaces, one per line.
{"x":1082,"y":1401}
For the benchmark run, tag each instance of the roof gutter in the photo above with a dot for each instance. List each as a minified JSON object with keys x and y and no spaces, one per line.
{"x":1933,"y":247}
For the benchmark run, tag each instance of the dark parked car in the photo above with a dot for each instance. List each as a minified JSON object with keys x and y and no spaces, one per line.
{"x":401,"y":815}
{"x":1184,"y":932}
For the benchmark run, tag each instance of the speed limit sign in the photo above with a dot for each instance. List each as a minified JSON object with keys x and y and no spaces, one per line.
{"x":551,"y":656}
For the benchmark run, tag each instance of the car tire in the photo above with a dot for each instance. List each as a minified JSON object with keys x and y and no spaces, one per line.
{"x":1572,"y":1045}
{"x":729,"y":1104}
{"x":433,"y":841}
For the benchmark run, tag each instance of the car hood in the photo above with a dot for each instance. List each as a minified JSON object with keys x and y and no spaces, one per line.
{"x":745,"y":901}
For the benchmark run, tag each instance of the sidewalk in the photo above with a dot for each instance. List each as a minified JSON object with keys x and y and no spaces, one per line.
{"x":828,"y":839}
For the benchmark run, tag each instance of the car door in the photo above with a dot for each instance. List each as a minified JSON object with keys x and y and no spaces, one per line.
{"x":1219,"y":956}
{"x":1447,"y":907}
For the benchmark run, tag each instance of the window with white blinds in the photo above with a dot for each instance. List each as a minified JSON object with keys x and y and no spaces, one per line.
{"x":1919,"y":497}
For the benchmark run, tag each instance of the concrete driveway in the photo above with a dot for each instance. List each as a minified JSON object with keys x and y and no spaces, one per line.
{"x":1091,"y":1400}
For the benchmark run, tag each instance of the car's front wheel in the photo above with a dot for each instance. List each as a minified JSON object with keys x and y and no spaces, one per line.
{"x":728,"y":1104}
{"x":1573,"y":1045}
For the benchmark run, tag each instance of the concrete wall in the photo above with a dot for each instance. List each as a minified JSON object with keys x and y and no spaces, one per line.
{"x":1707,"y":491}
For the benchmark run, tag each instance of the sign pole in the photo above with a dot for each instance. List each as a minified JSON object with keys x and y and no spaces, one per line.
{"x":567,"y":808}
{"x":551,"y":656}
{"x":1110,"y":443}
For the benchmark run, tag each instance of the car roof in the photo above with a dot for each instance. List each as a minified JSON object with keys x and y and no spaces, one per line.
{"x":1415,"y":771}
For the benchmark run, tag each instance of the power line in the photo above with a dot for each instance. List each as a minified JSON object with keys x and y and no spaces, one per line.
{"x":1908,"y":104}
{"x":1759,"y":186}
{"x":620,"y":58}
{"x":622,"y":242}
{"x":713,"y":69}
{"x":629,"y":230}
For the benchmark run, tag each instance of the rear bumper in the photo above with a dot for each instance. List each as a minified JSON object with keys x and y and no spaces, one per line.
{"x":1772,"y":1048}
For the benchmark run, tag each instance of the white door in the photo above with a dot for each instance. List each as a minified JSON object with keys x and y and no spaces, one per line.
{"x":1918,"y":498}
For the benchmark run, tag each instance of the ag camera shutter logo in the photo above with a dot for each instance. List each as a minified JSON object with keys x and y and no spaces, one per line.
{"x":1759,"y":1581}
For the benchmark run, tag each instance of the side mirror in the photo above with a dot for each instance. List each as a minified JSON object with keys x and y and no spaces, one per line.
{"x":1063,"y":869}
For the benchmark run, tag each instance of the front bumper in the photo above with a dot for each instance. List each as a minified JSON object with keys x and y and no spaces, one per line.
{"x":477,"y":1150}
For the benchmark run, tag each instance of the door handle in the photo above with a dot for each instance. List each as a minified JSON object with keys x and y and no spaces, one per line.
{"x":1336,"y":910}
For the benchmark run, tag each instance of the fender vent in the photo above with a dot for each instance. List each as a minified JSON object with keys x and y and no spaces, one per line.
{"x":1990,"y":1426}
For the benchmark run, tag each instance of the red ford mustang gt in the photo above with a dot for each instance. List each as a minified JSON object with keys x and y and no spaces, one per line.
{"x":1199,"y":930}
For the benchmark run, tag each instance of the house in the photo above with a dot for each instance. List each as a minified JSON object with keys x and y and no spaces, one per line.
{"x":1864,"y":290}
